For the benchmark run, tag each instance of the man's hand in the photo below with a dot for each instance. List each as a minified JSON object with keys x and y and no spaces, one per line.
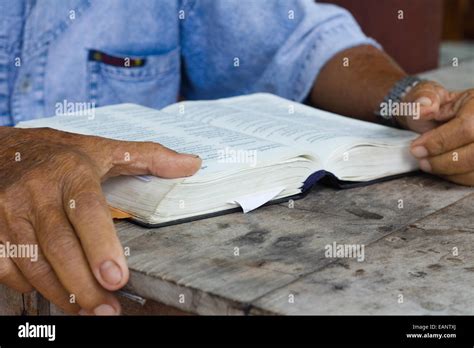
{"x":437,"y":105}
{"x":50,"y":196}
{"x":448,"y":149}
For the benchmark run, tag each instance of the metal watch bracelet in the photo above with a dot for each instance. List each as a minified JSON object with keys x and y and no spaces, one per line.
{"x":396,"y":95}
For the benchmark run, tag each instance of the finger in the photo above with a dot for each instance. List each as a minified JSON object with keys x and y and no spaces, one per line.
{"x":11,"y":276}
{"x":447,"y":137}
{"x":38,"y":271}
{"x":430,"y":97}
{"x":92,"y":222}
{"x":446,"y":98}
{"x":466,"y":179}
{"x":114,"y":157}
{"x":450,"y":109}
{"x":459,"y":161}
{"x":138,"y":158}
{"x":62,"y":249}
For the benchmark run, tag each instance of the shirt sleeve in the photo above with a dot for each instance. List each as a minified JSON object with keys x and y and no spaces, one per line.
{"x":235,"y":47}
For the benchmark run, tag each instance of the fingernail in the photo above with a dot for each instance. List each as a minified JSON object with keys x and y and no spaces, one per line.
{"x":105,"y":309}
{"x":424,"y":101}
{"x":419,"y":152}
{"x":425,"y":166}
{"x":83,"y":312}
{"x":111,"y":272}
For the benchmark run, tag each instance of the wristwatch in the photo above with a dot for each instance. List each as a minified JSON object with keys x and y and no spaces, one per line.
{"x":396,"y":95}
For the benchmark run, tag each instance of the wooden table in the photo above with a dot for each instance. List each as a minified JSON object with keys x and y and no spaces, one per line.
{"x":419,"y":258}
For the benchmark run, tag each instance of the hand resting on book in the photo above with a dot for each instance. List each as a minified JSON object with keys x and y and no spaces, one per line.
{"x":447,"y":148}
{"x":50,"y":196}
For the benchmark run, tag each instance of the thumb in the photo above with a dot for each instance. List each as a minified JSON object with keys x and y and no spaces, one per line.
{"x":141,"y":158}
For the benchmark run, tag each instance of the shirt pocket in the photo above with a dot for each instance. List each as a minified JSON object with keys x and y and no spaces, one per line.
{"x":149,"y":80}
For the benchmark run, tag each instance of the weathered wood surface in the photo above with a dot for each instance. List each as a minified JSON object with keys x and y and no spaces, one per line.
{"x":14,"y":303}
{"x":429,"y":263}
{"x":279,"y":247}
{"x":130,"y":307}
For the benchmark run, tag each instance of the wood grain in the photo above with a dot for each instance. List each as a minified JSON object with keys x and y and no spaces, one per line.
{"x":430,"y":263}
{"x":277,"y":245}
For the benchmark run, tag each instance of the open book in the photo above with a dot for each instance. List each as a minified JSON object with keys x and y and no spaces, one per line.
{"x":256,"y":149}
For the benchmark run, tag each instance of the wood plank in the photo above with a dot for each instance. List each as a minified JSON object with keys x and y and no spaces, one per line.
{"x":127,"y":231}
{"x":14,"y":303}
{"x":277,"y":244}
{"x":11,"y":302}
{"x":420,"y":263}
{"x":130,"y":307}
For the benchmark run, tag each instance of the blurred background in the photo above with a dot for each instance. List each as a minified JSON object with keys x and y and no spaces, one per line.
{"x":430,"y":35}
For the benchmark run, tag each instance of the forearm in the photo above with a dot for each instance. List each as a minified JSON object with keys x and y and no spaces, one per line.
{"x":355,"y":81}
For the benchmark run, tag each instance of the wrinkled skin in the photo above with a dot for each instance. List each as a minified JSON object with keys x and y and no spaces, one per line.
{"x":50,"y":195}
{"x":446,"y":147}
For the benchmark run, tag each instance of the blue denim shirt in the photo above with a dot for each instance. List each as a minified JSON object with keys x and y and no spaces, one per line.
{"x":197,"y":49}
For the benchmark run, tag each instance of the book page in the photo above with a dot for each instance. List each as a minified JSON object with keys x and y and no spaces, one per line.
{"x":221,"y":149}
{"x":273,"y":118}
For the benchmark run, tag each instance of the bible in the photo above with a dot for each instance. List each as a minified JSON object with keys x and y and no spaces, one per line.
{"x":256,"y":149}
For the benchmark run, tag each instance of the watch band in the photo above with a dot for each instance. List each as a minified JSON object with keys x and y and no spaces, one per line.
{"x":396,"y":95}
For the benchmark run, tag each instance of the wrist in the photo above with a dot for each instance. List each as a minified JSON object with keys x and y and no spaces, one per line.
{"x":389,"y":111}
